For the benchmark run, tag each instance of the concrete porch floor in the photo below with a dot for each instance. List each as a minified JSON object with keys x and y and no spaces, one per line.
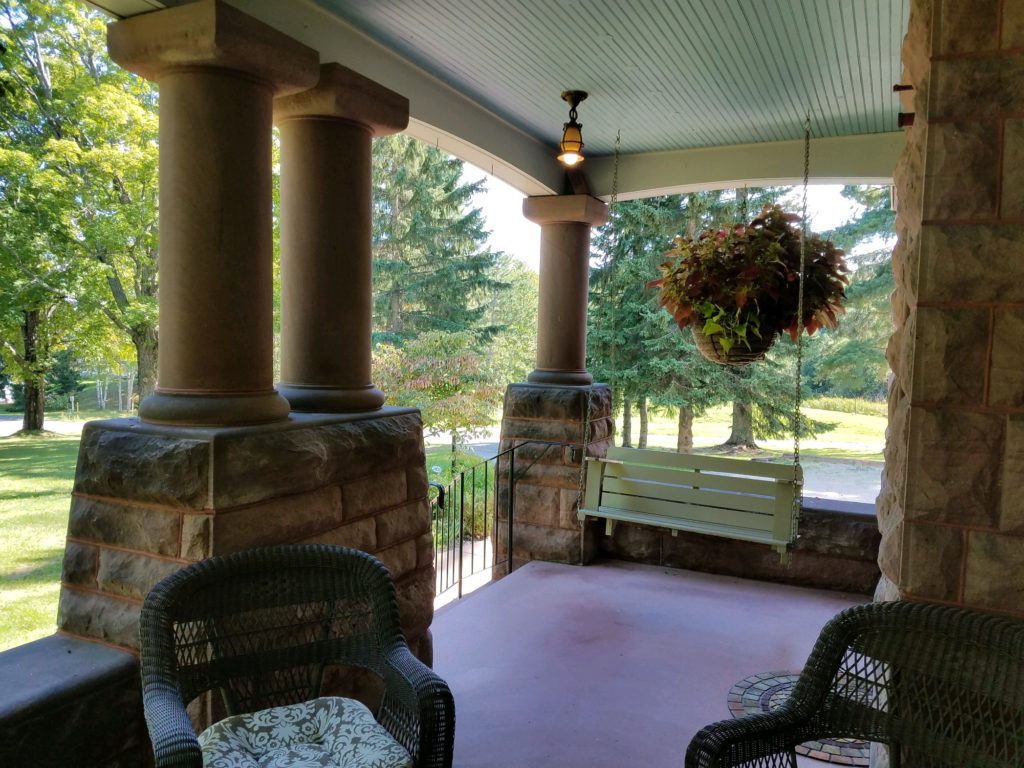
{"x":612,"y":664}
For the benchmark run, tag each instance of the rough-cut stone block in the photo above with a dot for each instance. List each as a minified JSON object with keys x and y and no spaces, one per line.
{"x":969,"y":89}
{"x":533,"y":401}
{"x":425,"y":550}
{"x":81,"y":562}
{"x":933,"y":561}
{"x":951,"y":349}
{"x":552,"y":431}
{"x":640,"y":543}
{"x":359,"y":534}
{"x":372,"y":494}
{"x":142,"y":528}
{"x":1006,"y":382}
{"x":953,"y":469}
{"x":556,"y":545}
{"x":277,"y":521}
{"x":567,"y":517}
{"x":962,"y":177}
{"x":415,"y":595}
{"x":1011,"y":518}
{"x":399,"y":559}
{"x":138,"y":466}
{"x":131,"y":575}
{"x":994,"y":565}
{"x":1012,"y":202}
{"x":537,"y":505}
{"x":89,"y":614}
{"x":964,"y":260}
{"x":405,"y":522}
{"x":416,"y":484}
{"x":1013,"y":24}
{"x":259,"y":463}
{"x":969,"y":27}
{"x":890,"y":552}
{"x":552,"y":475}
{"x":196,"y":537}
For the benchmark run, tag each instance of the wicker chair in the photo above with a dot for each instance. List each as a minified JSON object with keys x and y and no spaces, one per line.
{"x":260,"y":626}
{"x":943,"y":687}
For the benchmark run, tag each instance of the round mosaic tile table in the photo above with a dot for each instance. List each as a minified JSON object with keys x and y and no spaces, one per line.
{"x":762,"y":693}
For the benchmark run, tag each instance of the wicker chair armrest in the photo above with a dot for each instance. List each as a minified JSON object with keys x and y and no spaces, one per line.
{"x":170,"y":729}
{"x":753,"y":740}
{"x":418,"y":709}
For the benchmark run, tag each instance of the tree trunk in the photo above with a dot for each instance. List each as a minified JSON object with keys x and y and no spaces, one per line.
{"x":35,"y":378}
{"x":145,"y":341}
{"x":742,"y":425}
{"x":395,"y":311}
{"x":684,"y":437}
{"x":642,"y":442}
{"x":627,"y":423}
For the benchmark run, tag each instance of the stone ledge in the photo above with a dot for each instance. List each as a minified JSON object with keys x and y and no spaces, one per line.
{"x":66,"y":697}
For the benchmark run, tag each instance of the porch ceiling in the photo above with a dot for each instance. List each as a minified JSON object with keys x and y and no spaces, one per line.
{"x":692,"y":84}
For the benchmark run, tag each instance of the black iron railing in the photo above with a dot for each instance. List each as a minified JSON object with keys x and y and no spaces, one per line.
{"x":473,"y":517}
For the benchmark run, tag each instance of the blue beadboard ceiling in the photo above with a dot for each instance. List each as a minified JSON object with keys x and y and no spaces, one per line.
{"x":672,"y":74}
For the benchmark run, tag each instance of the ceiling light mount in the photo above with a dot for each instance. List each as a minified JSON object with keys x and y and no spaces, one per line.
{"x":571,"y":146}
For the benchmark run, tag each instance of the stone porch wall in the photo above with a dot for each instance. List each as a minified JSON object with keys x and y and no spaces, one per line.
{"x":950,"y":511}
{"x":149,"y":499}
{"x":545,"y":526}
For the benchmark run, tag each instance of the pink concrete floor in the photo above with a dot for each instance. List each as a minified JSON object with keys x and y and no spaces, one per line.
{"x":613,"y":664}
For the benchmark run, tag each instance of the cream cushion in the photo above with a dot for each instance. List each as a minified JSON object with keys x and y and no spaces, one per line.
{"x":329,"y":732}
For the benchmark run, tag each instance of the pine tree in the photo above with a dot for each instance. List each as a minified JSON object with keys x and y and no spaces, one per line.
{"x":432,"y":268}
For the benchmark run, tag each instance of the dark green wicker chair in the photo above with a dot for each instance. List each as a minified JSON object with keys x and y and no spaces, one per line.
{"x":943,"y":687}
{"x":260,"y":626}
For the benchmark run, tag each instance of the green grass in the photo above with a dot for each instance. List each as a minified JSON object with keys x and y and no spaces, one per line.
{"x":855,"y":436}
{"x":36,"y":475}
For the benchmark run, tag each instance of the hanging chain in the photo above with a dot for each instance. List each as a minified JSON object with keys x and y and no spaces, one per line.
{"x":797,"y":415}
{"x":581,"y":486}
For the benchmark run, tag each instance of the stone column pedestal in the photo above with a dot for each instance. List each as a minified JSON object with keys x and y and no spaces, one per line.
{"x":326,"y":298}
{"x":218,"y":71}
{"x":149,"y":499}
{"x":546,"y":477}
{"x":565,"y":222}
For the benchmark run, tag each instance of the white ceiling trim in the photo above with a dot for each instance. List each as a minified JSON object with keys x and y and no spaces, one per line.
{"x":860,"y":159}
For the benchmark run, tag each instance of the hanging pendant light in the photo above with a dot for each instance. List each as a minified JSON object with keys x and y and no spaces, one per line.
{"x":571,"y":145}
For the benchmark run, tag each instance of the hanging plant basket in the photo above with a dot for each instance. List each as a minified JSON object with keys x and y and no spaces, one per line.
{"x":737,"y":355}
{"x":744,"y":284}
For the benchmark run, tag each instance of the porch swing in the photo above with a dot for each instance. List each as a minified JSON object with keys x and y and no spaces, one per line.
{"x":717,"y":496}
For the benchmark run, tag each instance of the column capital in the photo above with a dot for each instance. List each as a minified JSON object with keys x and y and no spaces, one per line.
{"x":344,"y":94}
{"x":565,"y":209}
{"x":210,"y":33}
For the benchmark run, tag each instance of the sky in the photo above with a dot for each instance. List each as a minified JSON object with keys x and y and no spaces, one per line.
{"x":502,"y":206}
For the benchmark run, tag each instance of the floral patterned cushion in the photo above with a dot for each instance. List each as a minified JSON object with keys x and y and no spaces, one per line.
{"x":323,"y":733}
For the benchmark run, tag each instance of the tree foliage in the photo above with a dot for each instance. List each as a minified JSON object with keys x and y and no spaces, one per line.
{"x":77,"y":192}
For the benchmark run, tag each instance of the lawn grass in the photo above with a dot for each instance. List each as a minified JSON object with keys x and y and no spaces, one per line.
{"x":36,"y":476}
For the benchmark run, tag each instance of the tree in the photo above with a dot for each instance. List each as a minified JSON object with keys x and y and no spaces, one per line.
{"x":64,"y":376}
{"x":432,"y":269}
{"x":86,"y":129}
{"x":850,"y":360}
{"x":442,"y":374}
{"x":513,"y":310}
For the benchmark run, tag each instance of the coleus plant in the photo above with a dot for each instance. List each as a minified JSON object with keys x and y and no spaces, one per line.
{"x":740,"y":284}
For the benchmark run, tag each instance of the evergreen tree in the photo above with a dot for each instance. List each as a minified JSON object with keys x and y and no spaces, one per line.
{"x":432,"y":268}
{"x":849,"y":360}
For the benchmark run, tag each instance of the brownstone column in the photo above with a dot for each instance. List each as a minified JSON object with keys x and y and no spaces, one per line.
{"x":218,"y":71}
{"x":565,"y":222}
{"x":326,"y":299}
{"x":950,"y":510}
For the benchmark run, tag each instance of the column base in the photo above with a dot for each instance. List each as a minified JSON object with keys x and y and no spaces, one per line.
{"x":315,"y":399}
{"x":211,"y":410}
{"x":561,"y":378}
